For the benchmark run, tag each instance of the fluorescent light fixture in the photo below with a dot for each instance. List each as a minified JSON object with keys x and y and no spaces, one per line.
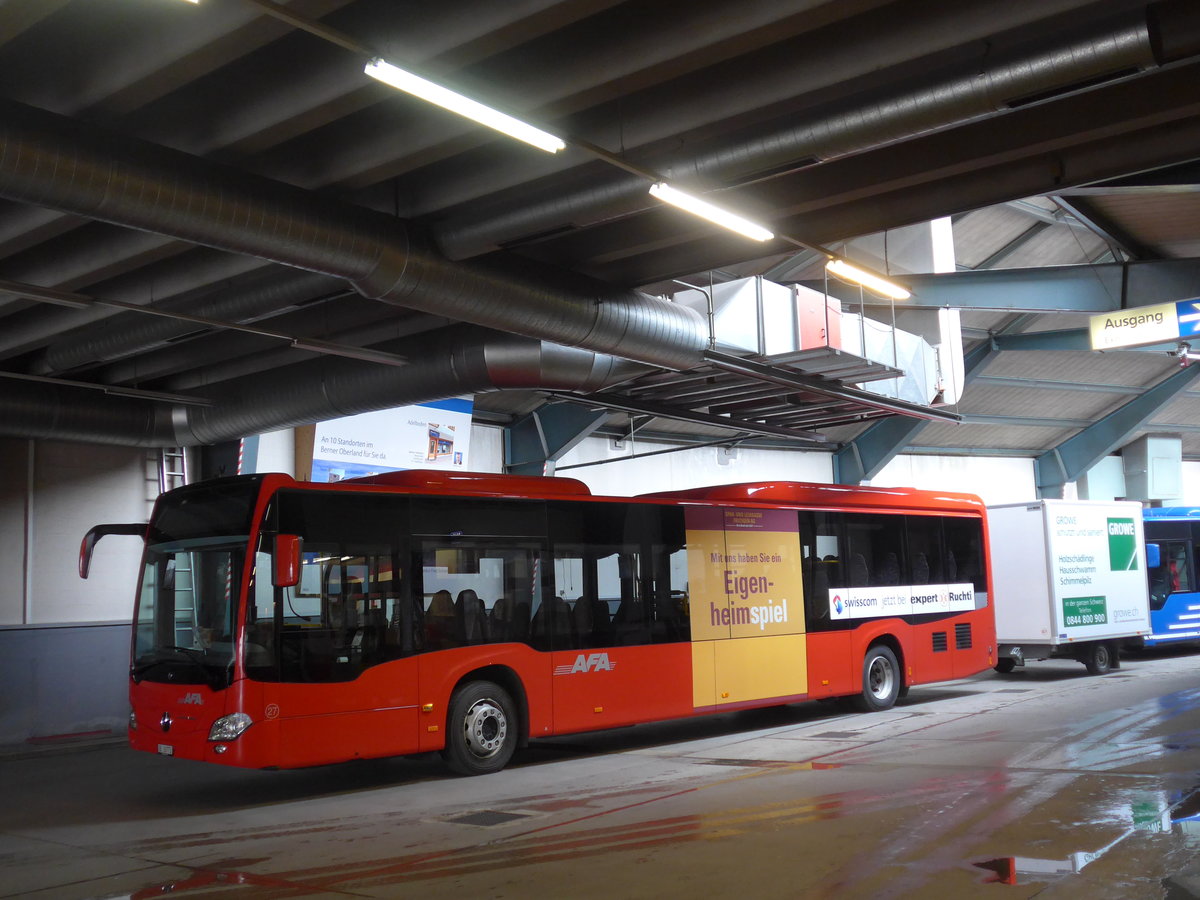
{"x":869,"y":280}
{"x":464,"y":106}
{"x":706,"y":210}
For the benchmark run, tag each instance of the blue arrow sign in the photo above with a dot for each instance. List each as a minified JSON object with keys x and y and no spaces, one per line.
{"x":1188,"y":312}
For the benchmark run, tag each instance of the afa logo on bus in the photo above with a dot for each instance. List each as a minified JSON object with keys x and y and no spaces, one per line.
{"x":587,"y":662}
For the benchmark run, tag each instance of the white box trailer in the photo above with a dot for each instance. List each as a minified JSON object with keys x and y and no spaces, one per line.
{"x":1069,"y":579}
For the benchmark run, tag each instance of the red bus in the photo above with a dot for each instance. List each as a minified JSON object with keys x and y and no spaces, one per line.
{"x":285,"y":624}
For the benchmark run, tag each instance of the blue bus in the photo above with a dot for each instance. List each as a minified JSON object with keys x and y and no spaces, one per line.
{"x":1172,"y":538}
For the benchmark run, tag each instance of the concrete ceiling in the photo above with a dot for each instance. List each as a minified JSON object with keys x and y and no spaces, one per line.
{"x":315,"y":243}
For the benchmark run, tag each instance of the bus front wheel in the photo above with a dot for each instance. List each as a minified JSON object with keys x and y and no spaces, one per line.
{"x":880,"y":680}
{"x":482,"y":729}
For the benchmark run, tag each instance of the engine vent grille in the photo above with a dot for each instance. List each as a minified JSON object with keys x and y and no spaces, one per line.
{"x":962,"y":636}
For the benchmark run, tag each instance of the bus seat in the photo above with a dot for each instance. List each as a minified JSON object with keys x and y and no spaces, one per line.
{"x":951,"y":567}
{"x":592,"y":625}
{"x":629,"y":623}
{"x":920,"y":569}
{"x":500,"y":623}
{"x":584,"y":618}
{"x":889,"y":572}
{"x":555,"y":622}
{"x":472,"y":615}
{"x":859,"y":574}
{"x":820,"y":601}
{"x":509,"y":620}
{"x":519,"y":625}
{"x":440,"y":621}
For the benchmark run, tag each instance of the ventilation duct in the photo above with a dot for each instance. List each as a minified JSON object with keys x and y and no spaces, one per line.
{"x":50,"y":161}
{"x":244,"y":301}
{"x":459,"y":360}
{"x":989,"y":87}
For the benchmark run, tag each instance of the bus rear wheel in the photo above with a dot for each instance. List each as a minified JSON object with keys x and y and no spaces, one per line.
{"x":881,"y":680}
{"x":482,"y":729}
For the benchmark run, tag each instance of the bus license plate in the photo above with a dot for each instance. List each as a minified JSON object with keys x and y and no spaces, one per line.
{"x":166,"y":750}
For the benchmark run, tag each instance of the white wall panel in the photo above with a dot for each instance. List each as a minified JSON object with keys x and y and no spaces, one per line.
{"x":15,"y":466}
{"x":75,"y":487}
{"x":487,"y":448}
{"x":995,"y":479}
{"x":688,"y":468}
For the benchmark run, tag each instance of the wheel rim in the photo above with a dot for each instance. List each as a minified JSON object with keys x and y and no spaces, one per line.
{"x":486,"y":727}
{"x":1101,"y":656}
{"x":880,"y":678}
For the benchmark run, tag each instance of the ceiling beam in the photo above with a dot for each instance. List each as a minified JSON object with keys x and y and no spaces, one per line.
{"x":1066,"y":339}
{"x":1012,"y":246}
{"x":1045,"y":384}
{"x":534,"y":442}
{"x":1074,"y":456}
{"x":1090,"y":289}
{"x":1176,"y":179}
{"x":864,"y":457}
{"x":1084,"y":209}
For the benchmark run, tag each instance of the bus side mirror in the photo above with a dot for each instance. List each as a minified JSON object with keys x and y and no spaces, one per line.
{"x":88,"y":544}
{"x":287,"y":560}
{"x":1153,"y":556}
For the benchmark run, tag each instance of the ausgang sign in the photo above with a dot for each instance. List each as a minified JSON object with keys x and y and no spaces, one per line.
{"x":1156,"y":324}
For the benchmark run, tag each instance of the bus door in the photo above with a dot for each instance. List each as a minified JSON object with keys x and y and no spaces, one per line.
{"x":340,"y":646}
{"x":1174,"y":607}
{"x":833,"y":667}
{"x":618,"y":610}
{"x":480,"y":572}
{"x":483,"y":597}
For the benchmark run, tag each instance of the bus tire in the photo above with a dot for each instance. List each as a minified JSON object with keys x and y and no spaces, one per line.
{"x":481,"y":730}
{"x":880,"y":680}
{"x":1004,"y":665}
{"x":1098,"y":658}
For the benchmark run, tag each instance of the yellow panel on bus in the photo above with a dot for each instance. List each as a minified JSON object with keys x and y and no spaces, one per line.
{"x":746,"y":605}
{"x":739,"y":670}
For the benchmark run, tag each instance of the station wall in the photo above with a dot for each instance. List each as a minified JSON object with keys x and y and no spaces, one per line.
{"x":64,"y":641}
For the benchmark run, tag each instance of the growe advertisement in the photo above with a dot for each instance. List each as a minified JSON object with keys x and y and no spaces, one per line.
{"x":434,"y":435}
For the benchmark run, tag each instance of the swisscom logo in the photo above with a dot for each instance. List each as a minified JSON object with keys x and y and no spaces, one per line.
{"x":1122,"y":545}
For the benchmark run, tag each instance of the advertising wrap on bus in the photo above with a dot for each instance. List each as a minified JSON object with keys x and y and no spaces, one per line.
{"x":901,"y":600}
{"x":747,"y":603}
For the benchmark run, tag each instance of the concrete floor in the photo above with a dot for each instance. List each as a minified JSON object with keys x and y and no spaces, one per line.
{"x":1046,"y":782}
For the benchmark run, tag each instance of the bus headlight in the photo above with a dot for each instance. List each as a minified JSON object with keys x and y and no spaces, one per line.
{"x":230,"y":727}
{"x":132,"y":720}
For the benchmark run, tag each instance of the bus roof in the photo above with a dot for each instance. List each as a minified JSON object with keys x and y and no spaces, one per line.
{"x":799,"y":493}
{"x":1171,"y":512}
{"x":789,"y":493}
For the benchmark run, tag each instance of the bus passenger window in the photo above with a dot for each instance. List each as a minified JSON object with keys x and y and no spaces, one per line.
{"x":478,"y":589}
{"x":1171,"y":575}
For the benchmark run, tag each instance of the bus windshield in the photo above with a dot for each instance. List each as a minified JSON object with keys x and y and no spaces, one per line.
{"x":186,"y":616}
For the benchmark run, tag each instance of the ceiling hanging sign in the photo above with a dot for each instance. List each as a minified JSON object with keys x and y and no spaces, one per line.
{"x":1156,"y":324}
{"x":433,"y":435}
